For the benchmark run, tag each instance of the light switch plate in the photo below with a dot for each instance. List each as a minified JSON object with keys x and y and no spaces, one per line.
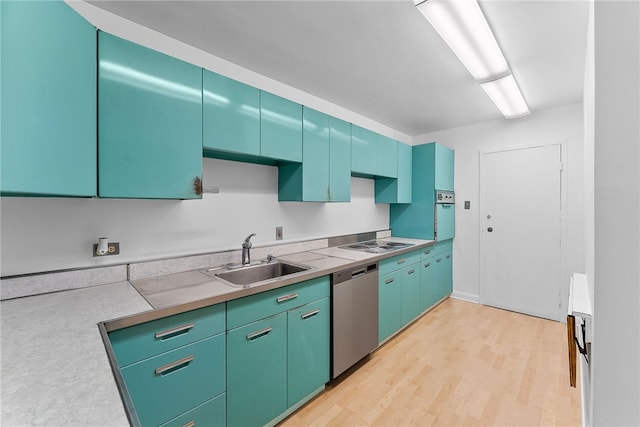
{"x":467,"y":204}
{"x":278,"y":233}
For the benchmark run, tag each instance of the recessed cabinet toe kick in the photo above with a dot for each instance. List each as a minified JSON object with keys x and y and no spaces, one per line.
{"x":355,"y":316}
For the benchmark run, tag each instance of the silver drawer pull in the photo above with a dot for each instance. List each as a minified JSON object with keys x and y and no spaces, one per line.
{"x":439,"y":259}
{"x":401,"y":261}
{"x":191,"y":423}
{"x":427,"y":265}
{"x":310,"y":314}
{"x":178,"y":330}
{"x":258,"y":334}
{"x":427,"y":252}
{"x":287,"y":297}
{"x":386,"y":282}
{"x":174,"y":365}
{"x":448,"y":256}
{"x":411,"y":271}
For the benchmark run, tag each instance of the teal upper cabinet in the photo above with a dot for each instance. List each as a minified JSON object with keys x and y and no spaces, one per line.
{"x":397,"y":190}
{"x":432,"y":169}
{"x":324,"y":174}
{"x":48,"y":115}
{"x":280,"y":128}
{"x":339,"y":160}
{"x":364,"y":152}
{"x":387,"y":157}
{"x":231,"y":117}
{"x":150,"y":115}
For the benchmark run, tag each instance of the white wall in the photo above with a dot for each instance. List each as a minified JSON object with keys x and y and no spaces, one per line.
{"x":615,"y":362}
{"x":43,"y":234}
{"x":563,"y":124}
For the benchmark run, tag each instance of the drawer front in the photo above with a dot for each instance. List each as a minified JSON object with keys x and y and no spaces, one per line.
{"x":211,"y":413}
{"x":442,"y":247}
{"x":172,"y":383}
{"x":389,"y":304}
{"x":399,"y":261}
{"x":427,"y":252}
{"x":255,"y":307}
{"x":152,"y":338}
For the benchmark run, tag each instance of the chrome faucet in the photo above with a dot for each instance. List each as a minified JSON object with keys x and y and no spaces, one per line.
{"x":246,"y":246}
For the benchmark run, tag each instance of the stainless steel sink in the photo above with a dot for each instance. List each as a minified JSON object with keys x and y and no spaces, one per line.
{"x":245,"y":276}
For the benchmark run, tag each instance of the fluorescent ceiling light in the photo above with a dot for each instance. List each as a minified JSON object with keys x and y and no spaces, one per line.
{"x":464,"y":28}
{"x":505,"y":94}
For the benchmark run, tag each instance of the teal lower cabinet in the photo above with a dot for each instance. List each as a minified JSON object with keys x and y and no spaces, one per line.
{"x":443,"y":276}
{"x":276,"y":363}
{"x":257,"y":372}
{"x":389,"y":304}
{"x":427,"y":282}
{"x":174,"y":368}
{"x":308,"y":349}
{"x":410,"y":293}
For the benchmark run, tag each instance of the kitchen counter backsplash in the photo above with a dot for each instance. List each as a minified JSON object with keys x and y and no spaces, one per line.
{"x":42,"y":283}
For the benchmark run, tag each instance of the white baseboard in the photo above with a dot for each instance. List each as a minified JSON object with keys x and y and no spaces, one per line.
{"x":465,"y":297}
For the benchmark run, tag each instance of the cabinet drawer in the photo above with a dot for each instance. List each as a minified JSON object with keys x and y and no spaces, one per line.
{"x":442,"y":247}
{"x":149,"y":339}
{"x":172,"y":383}
{"x":255,"y":307}
{"x":210,"y":413}
{"x":398,"y":261}
{"x":427,"y":252}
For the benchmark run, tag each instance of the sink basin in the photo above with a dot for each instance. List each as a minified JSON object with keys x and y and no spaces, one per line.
{"x":245,"y":276}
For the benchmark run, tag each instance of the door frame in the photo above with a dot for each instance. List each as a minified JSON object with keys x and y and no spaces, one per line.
{"x":564,"y":275}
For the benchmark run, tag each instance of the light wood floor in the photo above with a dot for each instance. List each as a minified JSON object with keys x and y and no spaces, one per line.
{"x":461,"y":364}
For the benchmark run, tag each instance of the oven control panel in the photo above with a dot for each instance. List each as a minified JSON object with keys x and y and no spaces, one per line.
{"x":445,"y":197}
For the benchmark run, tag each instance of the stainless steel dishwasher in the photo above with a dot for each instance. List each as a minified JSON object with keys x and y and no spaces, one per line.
{"x":354,"y":326}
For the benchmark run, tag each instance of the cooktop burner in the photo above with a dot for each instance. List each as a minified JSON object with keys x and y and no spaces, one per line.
{"x":376,"y":246}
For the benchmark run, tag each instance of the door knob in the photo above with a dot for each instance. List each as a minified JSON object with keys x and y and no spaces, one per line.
{"x":490,"y":229}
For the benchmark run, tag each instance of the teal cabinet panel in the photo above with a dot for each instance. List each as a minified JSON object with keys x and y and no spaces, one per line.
{"x":390,"y":304}
{"x":410,"y":293}
{"x":48,"y":115}
{"x":427,"y":295}
{"x":387,"y":157}
{"x":446,"y":221}
{"x":174,"y":382}
{"x":280,"y":128}
{"x":397,"y":262}
{"x":444,"y":171}
{"x":432,"y":165}
{"x":211,"y":413}
{"x":257,"y":372}
{"x":150,"y":113}
{"x":339,"y":160}
{"x":443,"y":274}
{"x":248,"y":309}
{"x":308,"y":349}
{"x":231,"y":115}
{"x":148,"y":339}
{"x":364,"y":152}
{"x":397,"y":190}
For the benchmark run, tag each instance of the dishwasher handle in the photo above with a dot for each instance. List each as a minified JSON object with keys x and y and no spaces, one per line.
{"x":354,"y":273}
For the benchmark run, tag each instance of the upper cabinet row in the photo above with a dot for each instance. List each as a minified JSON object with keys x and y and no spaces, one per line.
{"x":156,"y":116}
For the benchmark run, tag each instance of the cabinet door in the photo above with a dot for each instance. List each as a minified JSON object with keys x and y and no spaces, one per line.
{"x":48,"y":110}
{"x":315,"y":158}
{"x":210,"y":413}
{"x":231,"y":115}
{"x":387,"y":157}
{"x":447,"y":282}
{"x":427,"y":295}
{"x":150,"y":112}
{"x":445,"y":217}
{"x":390,"y":304}
{"x":444,"y":162}
{"x":280,"y":128}
{"x":364,"y":152}
{"x":257,"y":372}
{"x":397,"y":190}
{"x":308,"y":349}
{"x":438,"y":277}
{"x":410,"y":293}
{"x":339,"y":160}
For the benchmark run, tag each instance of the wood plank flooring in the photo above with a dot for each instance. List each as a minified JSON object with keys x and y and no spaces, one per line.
{"x":462,"y":364}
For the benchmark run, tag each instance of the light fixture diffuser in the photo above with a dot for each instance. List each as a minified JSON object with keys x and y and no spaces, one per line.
{"x":504,"y":92}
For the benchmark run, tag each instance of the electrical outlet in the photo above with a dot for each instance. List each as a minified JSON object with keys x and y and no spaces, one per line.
{"x":278,"y":233}
{"x":113,"y":248}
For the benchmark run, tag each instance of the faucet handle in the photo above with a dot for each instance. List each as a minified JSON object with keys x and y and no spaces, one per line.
{"x":247,"y":244}
{"x":270,"y":258}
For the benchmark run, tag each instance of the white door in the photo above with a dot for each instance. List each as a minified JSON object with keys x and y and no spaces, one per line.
{"x":521,"y":230}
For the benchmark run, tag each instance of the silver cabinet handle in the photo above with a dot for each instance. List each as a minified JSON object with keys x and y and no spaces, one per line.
{"x":191,"y":423}
{"x":287,"y":297}
{"x":427,"y":251}
{"x":386,"y":282}
{"x":310,"y":314}
{"x":411,"y":271}
{"x":401,"y":261}
{"x":175,"y":331}
{"x":258,"y":334}
{"x":439,"y":259}
{"x":448,"y":256}
{"x":173,"y":365}
{"x":427,"y":265}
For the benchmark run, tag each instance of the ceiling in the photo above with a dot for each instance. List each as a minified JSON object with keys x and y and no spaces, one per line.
{"x":382,"y":59}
